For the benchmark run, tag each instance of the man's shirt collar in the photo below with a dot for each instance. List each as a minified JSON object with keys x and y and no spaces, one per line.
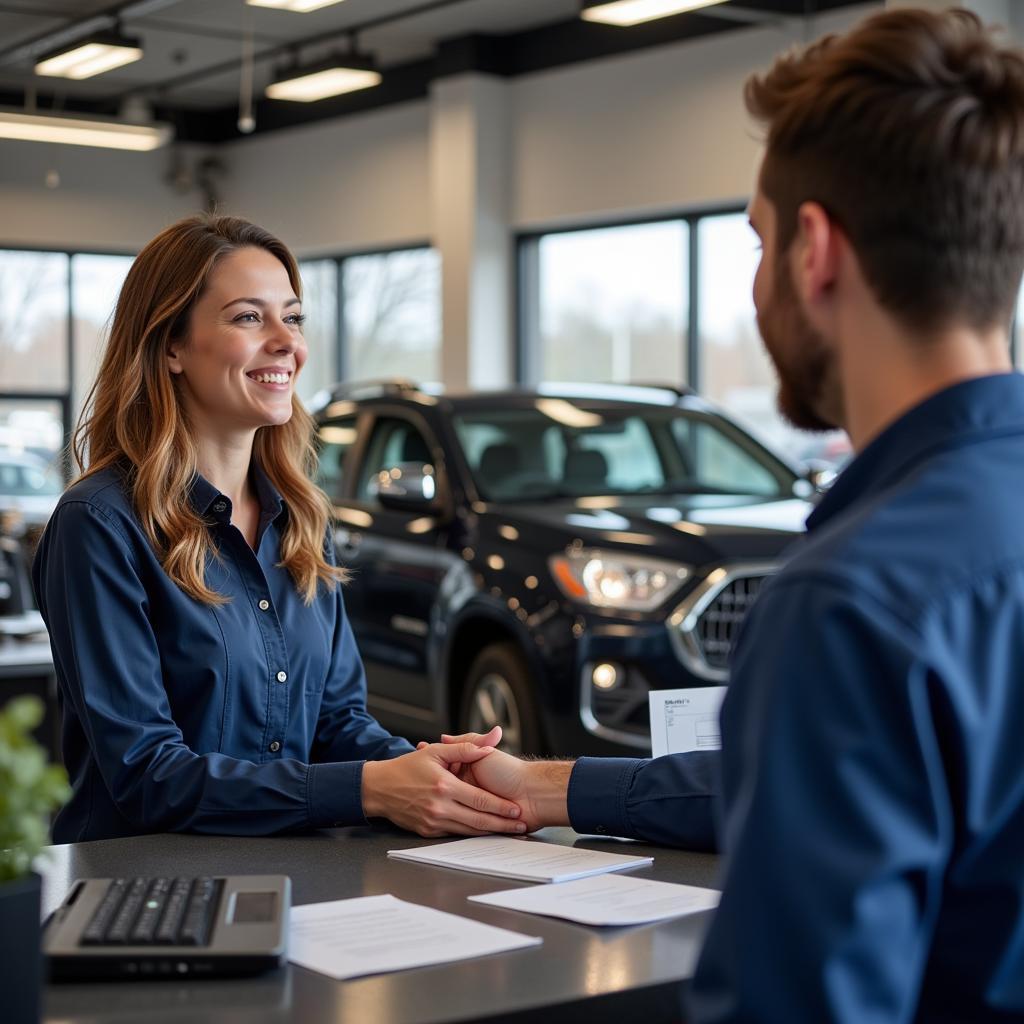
{"x":954,"y":416}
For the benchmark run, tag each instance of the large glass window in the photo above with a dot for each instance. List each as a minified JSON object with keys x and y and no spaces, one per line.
{"x":735,"y":369}
{"x":95,"y":285}
{"x":392,"y":304}
{"x":612,"y":304}
{"x":33,"y":321}
{"x":320,"y":305}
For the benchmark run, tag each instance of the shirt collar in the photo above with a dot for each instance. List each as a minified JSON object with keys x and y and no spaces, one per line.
{"x":208,"y":501}
{"x":954,"y":416}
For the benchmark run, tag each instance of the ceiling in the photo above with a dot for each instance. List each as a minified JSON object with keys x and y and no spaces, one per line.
{"x":191,"y":69}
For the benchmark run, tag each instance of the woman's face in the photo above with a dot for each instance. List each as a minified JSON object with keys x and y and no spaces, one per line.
{"x":237,"y":363}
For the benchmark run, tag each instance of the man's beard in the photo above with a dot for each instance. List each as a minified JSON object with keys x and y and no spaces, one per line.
{"x":809,"y":394}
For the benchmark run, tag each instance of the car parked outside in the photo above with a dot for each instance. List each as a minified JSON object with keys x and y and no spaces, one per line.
{"x":543,"y":559}
{"x":29,"y":487}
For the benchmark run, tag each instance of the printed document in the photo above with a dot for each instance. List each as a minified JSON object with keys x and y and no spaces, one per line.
{"x":526,"y":859}
{"x":685,"y":720}
{"x":373,"y":934}
{"x":606,"y":900}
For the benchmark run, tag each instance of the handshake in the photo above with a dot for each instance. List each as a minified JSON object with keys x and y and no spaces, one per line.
{"x":465,"y":786}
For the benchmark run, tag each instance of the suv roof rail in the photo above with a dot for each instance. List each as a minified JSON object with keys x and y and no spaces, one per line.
{"x":682,"y":390}
{"x":373,"y":386}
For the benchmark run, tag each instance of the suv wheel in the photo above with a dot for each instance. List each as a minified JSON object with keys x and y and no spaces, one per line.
{"x":497,"y":692}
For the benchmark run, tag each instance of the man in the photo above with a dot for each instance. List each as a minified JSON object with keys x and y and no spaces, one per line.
{"x":873,"y":766}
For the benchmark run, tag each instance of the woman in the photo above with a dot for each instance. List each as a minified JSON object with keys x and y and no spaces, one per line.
{"x":209,"y":677}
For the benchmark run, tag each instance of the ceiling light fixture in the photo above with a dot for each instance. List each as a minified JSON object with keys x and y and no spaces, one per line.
{"x":81,"y":131}
{"x":339,"y":74}
{"x":298,"y":6}
{"x":90,"y":56}
{"x":635,"y":12}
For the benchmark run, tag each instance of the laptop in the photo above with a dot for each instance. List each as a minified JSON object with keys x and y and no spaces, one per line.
{"x":184,"y":927}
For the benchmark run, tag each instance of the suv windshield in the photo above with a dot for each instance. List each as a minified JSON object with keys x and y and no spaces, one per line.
{"x":559,"y":448}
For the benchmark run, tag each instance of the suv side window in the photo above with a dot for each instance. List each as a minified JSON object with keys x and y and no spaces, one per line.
{"x":393,"y":441}
{"x":335,"y":438}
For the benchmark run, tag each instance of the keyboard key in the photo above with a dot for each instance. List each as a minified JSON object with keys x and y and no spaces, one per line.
{"x":195,"y":929}
{"x":96,"y":930}
{"x":177,"y":902}
{"x":149,"y":916}
{"x":120,"y":929}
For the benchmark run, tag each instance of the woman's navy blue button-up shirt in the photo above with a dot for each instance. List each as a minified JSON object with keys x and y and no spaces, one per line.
{"x":244,"y":718}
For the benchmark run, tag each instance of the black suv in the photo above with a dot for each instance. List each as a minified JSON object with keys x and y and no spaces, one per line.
{"x":542,"y":559}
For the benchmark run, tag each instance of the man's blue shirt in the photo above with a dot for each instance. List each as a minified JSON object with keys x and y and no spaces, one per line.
{"x":244,"y":718}
{"x":873,"y":742}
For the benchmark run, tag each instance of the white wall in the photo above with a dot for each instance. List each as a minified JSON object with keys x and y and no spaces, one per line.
{"x":107,"y":199}
{"x":658,"y":130}
{"x":361,"y":182}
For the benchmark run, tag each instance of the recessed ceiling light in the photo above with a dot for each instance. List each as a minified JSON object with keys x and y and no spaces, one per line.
{"x":635,"y":12}
{"x":89,"y":56}
{"x":340,"y":74}
{"x":82,"y":131}
{"x":299,"y":6}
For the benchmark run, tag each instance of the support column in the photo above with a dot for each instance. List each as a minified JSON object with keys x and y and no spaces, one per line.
{"x":470,"y":175}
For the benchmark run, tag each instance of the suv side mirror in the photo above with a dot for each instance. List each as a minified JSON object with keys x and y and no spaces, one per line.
{"x":407,"y":487}
{"x":819,"y":474}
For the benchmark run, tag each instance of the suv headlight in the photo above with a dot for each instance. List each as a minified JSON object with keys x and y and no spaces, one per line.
{"x":612,"y":579}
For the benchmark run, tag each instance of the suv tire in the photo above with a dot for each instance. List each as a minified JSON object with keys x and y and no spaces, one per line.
{"x":497,"y":691}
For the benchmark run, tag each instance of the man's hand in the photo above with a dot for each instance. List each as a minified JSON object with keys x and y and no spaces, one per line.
{"x":540,"y":788}
{"x":418,"y":792}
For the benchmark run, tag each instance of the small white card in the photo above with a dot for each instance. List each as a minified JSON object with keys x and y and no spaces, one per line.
{"x":374,"y":934}
{"x":685,"y":720}
{"x":606,"y":900}
{"x":526,"y":859}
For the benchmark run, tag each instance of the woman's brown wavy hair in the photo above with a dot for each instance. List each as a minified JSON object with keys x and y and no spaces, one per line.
{"x":134,"y":417}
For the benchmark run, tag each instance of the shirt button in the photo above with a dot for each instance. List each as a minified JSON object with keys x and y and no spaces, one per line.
{"x":219,"y":506}
{"x":275,"y":747}
{"x":282,"y":677}
{"x":264,"y":605}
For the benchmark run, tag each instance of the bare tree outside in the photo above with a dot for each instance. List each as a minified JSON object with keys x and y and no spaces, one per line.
{"x":393,"y":315}
{"x":33,"y":321}
{"x":613,"y":304}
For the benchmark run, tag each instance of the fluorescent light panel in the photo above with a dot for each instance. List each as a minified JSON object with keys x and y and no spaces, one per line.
{"x":318,"y":85}
{"x":299,"y":6}
{"x":77,"y":131}
{"x":635,"y":12}
{"x":89,"y":57}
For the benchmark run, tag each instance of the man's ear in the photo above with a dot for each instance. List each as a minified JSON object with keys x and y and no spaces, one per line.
{"x":815,"y":253}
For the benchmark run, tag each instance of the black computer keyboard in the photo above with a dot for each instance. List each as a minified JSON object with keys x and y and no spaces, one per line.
{"x":154,"y":912}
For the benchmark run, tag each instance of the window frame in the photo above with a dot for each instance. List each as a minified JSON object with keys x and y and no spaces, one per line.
{"x":526,"y":305}
{"x":63,"y":397}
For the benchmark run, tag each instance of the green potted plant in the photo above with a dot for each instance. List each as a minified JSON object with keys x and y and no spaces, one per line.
{"x":30,"y":789}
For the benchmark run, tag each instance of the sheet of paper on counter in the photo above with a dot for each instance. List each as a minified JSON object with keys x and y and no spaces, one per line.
{"x":374,"y":934}
{"x":525,"y":859}
{"x":606,"y":900}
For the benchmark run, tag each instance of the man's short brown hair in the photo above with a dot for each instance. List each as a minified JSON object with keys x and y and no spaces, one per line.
{"x":909,"y":131}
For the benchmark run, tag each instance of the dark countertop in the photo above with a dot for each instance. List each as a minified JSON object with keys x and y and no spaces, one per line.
{"x":580,"y":973}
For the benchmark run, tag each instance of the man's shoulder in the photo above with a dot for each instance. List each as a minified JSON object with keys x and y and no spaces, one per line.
{"x":952,"y":520}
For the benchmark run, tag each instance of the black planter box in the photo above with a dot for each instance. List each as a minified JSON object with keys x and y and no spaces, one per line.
{"x":21,"y":958}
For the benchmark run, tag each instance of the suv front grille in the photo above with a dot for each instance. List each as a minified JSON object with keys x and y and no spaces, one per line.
{"x":705,"y":626}
{"x":719,"y":623}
